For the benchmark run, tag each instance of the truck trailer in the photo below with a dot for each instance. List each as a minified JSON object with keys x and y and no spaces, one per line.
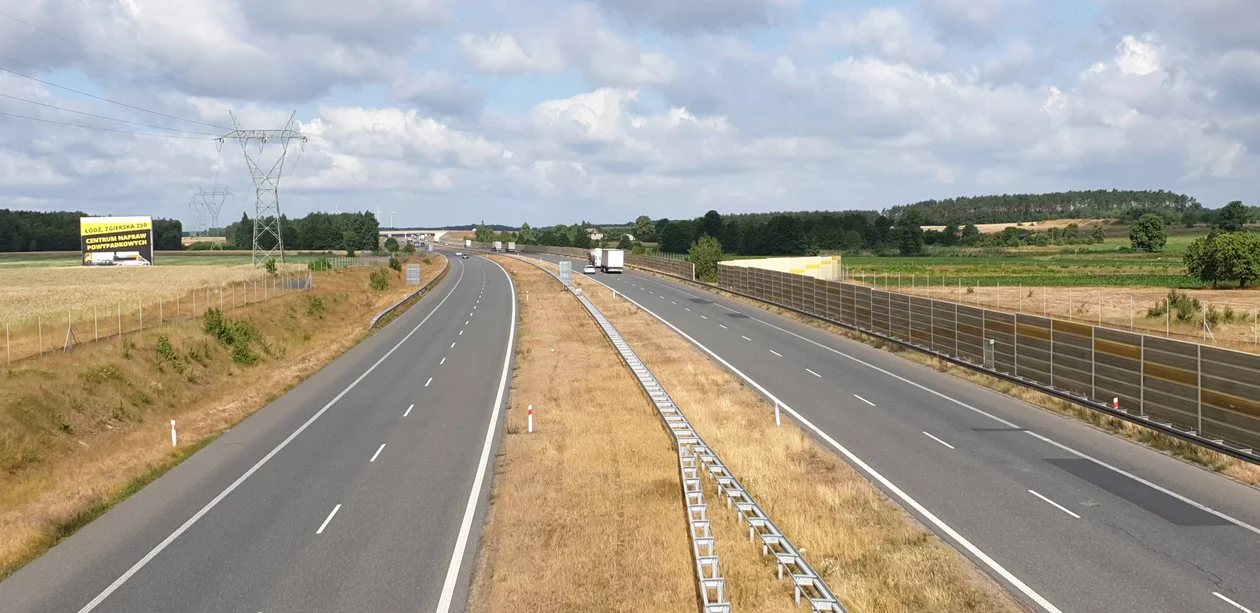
{"x":606,"y":260}
{"x":467,"y":243}
{"x":511,"y":247}
{"x":496,"y":246}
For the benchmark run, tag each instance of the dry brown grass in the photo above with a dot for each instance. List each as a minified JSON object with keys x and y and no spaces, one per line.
{"x":1243,"y":472}
{"x":586,"y":513}
{"x":875,"y":556}
{"x":77,"y":428}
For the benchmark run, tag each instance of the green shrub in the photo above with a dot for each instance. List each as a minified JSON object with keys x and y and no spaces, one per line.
{"x":395,"y":263}
{"x":315,"y":307}
{"x":101,"y":374}
{"x":1184,"y":307}
{"x":270,"y":265}
{"x":379,"y":279}
{"x":237,"y":333}
{"x":166,"y":355}
{"x":242,"y":355}
{"x":320,"y":263}
{"x":428,"y":261}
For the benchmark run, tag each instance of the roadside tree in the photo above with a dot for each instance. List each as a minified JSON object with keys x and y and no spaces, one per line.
{"x":1147,"y":233}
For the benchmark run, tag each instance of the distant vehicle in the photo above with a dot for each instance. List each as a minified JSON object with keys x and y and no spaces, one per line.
{"x":590,"y":270}
{"x":467,"y":243}
{"x":607,"y":260}
{"x":460,"y":253}
{"x":511,"y":247}
{"x":496,"y":246}
{"x":465,"y":256}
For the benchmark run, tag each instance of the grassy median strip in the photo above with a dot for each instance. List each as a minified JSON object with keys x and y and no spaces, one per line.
{"x":1238,"y":470}
{"x":876,"y":557}
{"x":83,"y":430}
{"x":586,"y":512}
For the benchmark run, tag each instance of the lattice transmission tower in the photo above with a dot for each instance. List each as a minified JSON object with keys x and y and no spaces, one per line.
{"x":266,"y":183}
{"x":197,"y":213}
{"x":212,"y":203}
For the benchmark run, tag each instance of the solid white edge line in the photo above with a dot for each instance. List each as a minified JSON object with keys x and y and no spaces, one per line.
{"x":408,"y":411}
{"x":937,"y":439}
{"x":1226,"y":599}
{"x":874,"y":474}
{"x":864,"y":400}
{"x":465,"y":527}
{"x":328,"y":519}
{"x":776,"y":353}
{"x":241,"y":479}
{"x":813,"y":373}
{"x":1056,"y":505}
{"x":378,"y":452}
{"x":1193,"y":503}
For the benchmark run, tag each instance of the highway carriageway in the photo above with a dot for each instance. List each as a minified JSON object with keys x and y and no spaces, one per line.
{"x":362,"y":489}
{"x":1067,"y":517}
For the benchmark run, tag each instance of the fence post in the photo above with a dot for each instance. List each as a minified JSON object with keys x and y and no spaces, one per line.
{"x":1020,"y":309}
{"x":1100,"y":307}
{"x":1142,"y":376}
{"x":1199,"y":373}
{"x":1167,"y":317}
{"x":194,"y":309}
{"x":1130,"y":312}
{"x":999,"y":295}
{"x":8,"y":352}
{"x":39,"y":324}
{"x":96,"y":324}
{"x":161,"y":314}
{"x":120,"y":332}
{"x":1043,"y":301}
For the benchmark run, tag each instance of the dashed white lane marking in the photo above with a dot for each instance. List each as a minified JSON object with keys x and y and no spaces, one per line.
{"x":330,"y":516}
{"x":426,"y":383}
{"x":442,"y":362}
{"x":378,"y":452}
{"x":461,"y":332}
{"x":776,"y":353}
{"x":703,"y":317}
{"x":689,"y":310}
{"x":813,"y":373}
{"x":744,"y":337}
{"x":465,"y":323}
{"x":864,"y":400}
{"x":938,"y":440}
{"x":453,"y":345}
{"x":672,"y":302}
{"x":1055,"y":504}
{"x":723,"y":326}
{"x":1238,"y":606}
{"x":408,"y":411}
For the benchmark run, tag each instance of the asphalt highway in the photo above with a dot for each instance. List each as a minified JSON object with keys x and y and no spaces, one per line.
{"x":1067,"y":517}
{"x":362,"y":489}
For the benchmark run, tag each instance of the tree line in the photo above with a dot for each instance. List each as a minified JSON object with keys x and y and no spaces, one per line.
{"x":25,"y":231}
{"x":1093,"y":204}
{"x":314,"y":232}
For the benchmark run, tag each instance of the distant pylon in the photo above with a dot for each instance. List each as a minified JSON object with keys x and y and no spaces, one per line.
{"x":212,"y":203}
{"x":266,"y":184}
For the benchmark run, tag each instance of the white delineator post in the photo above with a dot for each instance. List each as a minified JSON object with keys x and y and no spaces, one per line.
{"x":531,"y":419}
{"x":174,"y":438}
{"x":1115,"y":403}
{"x":777,"y":420}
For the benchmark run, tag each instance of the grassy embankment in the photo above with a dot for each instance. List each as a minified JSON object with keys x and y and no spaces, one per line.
{"x":586,"y":513}
{"x":81,"y":431}
{"x":873,"y":555}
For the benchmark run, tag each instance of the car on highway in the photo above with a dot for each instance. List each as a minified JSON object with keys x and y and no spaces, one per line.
{"x":588,"y":269}
{"x":464,"y":255}
{"x":459,"y":253}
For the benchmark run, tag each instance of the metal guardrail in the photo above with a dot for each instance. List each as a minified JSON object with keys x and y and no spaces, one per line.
{"x":693,"y":455}
{"x":420,"y":292}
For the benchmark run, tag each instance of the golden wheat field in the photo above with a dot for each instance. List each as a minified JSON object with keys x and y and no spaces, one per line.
{"x":28,"y":292}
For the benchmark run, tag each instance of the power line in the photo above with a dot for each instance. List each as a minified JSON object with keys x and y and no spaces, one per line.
{"x":3,"y":69}
{"x":134,"y":123}
{"x":87,"y":48}
{"x":75,"y":125}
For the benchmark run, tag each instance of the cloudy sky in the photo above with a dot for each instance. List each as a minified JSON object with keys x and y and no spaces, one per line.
{"x":548,"y":111}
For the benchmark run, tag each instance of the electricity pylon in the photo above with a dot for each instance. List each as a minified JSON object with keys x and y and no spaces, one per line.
{"x":197,"y":211}
{"x":212,"y":202}
{"x":266,"y":183}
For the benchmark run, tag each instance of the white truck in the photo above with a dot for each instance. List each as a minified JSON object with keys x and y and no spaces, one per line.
{"x":511,"y":247}
{"x":467,"y":243}
{"x":607,"y":260}
{"x":496,"y":246}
